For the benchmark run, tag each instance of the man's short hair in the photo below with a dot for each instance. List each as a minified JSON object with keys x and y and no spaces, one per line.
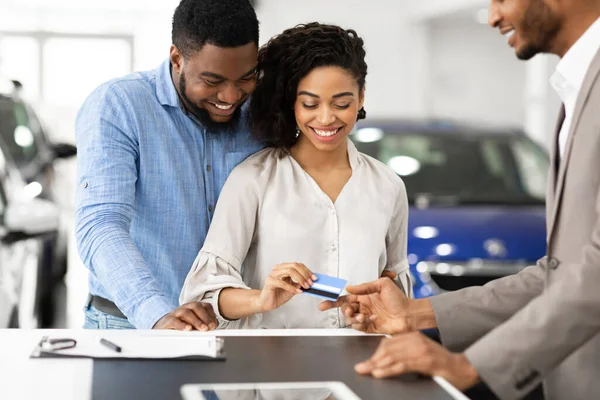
{"x":222,"y":23}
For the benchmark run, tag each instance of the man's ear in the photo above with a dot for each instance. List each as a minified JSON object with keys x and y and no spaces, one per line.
{"x":176,"y":59}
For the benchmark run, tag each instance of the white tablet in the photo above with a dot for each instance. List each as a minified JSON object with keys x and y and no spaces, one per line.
{"x":269,"y":391}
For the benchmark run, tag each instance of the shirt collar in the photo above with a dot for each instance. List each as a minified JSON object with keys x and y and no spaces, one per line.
{"x":575,"y":63}
{"x":352,"y":155}
{"x":165,"y":88}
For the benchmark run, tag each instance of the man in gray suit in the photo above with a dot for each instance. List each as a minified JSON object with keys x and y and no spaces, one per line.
{"x":542,"y":324}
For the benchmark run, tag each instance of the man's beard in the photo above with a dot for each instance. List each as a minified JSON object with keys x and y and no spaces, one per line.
{"x":203,"y":116}
{"x":542,"y":25}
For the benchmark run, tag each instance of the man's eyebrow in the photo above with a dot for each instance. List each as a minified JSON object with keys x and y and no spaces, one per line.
{"x":213,"y":75}
{"x":343,"y":94}
{"x":305,"y":93}
{"x":251,"y":72}
{"x":222,"y":78}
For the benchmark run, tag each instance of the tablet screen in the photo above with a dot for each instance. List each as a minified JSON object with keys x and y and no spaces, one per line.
{"x":269,"y":391}
{"x":270,"y":394}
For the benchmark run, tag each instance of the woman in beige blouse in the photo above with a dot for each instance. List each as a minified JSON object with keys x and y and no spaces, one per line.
{"x":310,"y":202}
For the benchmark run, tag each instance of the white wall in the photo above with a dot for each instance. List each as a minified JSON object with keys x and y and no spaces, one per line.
{"x":474,"y":74}
{"x":396,"y":49}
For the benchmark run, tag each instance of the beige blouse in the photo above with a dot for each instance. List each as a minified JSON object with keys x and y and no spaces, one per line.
{"x":271,"y":211}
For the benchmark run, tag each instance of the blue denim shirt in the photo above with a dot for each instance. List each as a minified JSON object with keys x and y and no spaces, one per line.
{"x":148,"y":176}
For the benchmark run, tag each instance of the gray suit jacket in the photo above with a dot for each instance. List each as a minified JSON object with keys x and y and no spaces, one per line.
{"x":544,"y":323}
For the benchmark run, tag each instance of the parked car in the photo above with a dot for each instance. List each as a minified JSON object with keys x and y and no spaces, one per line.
{"x":476,"y":198}
{"x":25,"y":141}
{"x":24,"y":223}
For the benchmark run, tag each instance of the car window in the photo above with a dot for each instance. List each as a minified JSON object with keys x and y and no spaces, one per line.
{"x":502,"y":169}
{"x":16,"y":131}
{"x":532,"y":165}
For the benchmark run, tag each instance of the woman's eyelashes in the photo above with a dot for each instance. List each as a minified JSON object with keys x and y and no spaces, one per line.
{"x":314,"y":106}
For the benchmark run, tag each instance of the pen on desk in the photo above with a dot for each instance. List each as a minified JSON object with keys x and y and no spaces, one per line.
{"x":110,"y":345}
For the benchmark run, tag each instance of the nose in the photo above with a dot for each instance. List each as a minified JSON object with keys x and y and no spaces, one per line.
{"x":230,"y":94}
{"x":325,"y":116}
{"x":494,"y":15}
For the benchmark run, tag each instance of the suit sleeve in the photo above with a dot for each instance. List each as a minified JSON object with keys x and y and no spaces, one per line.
{"x":555,"y":324}
{"x":464,"y":316}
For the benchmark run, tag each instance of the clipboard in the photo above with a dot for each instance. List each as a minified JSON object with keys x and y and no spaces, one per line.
{"x":208,"y":348}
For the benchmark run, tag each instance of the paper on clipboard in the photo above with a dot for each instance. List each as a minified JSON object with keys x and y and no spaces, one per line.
{"x":139,"y":347}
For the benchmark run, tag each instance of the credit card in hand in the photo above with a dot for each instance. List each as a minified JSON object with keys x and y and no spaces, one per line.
{"x":326,"y":287}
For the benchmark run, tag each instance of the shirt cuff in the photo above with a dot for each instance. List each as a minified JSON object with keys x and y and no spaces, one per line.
{"x":150,"y":311}
{"x":214,"y":302}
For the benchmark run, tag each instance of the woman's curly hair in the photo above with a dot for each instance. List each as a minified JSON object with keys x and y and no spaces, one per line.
{"x":284,"y":61}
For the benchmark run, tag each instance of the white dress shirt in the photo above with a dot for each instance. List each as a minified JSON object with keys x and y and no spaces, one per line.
{"x":569,"y":75}
{"x":271,"y":211}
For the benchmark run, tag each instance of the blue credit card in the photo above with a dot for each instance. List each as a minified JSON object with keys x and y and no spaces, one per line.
{"x":326,"y":287}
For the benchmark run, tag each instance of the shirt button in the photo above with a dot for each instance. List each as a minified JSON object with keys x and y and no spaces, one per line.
{"x":210,"y":208}
{"x":553,"y":263}
{"x":84,"y":185}
{"x":208,"y":168}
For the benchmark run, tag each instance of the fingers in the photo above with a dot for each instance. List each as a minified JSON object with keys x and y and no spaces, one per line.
{"x":340,"y":302}
{"x":201,"y":316}
{"x":360,"y":327}
{"x":350,"y":309}
{"x":389,"y":274}
{"x":367,"y":288}
{"x":273,"y":282}
{"x":213,"y":323}
{"x":401,"y":354}
{"x":298,"y":272}
{"x":172,"y":322}
{"x":189,"y":316}
{"x":383,"y":358}
{"x":391,"y":370}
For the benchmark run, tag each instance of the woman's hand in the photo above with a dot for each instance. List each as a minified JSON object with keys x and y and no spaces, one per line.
{"x":282,"y":284}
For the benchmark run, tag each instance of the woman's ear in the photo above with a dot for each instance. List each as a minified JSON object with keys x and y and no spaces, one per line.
{"x":362,"y":114}
{"x":361,"y":98}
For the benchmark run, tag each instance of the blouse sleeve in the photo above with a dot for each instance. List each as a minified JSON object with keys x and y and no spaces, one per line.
{"x":396,"y":242}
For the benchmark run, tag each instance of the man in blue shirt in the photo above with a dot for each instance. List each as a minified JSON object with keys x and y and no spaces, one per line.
{"x":154,"y":150}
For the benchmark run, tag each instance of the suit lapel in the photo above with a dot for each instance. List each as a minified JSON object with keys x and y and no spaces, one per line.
{"x":582,"y":98}
{"x":554,"y":163}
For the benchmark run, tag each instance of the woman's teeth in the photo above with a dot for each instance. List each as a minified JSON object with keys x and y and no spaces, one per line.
{"x":325,"y":133}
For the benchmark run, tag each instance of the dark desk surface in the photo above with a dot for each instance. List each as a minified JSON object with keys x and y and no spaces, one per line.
{"x":260,"y":359}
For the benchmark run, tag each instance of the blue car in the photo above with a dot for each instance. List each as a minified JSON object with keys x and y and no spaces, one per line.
{"x":476,"y":198}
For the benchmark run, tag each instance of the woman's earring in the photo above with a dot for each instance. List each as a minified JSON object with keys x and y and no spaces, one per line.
{"x":297,"y":131}
{"x":362,"y":114}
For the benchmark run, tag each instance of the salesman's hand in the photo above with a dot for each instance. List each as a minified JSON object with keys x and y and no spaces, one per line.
{"x":193,"y":315}
{"x":389,"y":274}
{"x":414,"y":352}
{"x":282,"y":284}
{"x":374,"y":307}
